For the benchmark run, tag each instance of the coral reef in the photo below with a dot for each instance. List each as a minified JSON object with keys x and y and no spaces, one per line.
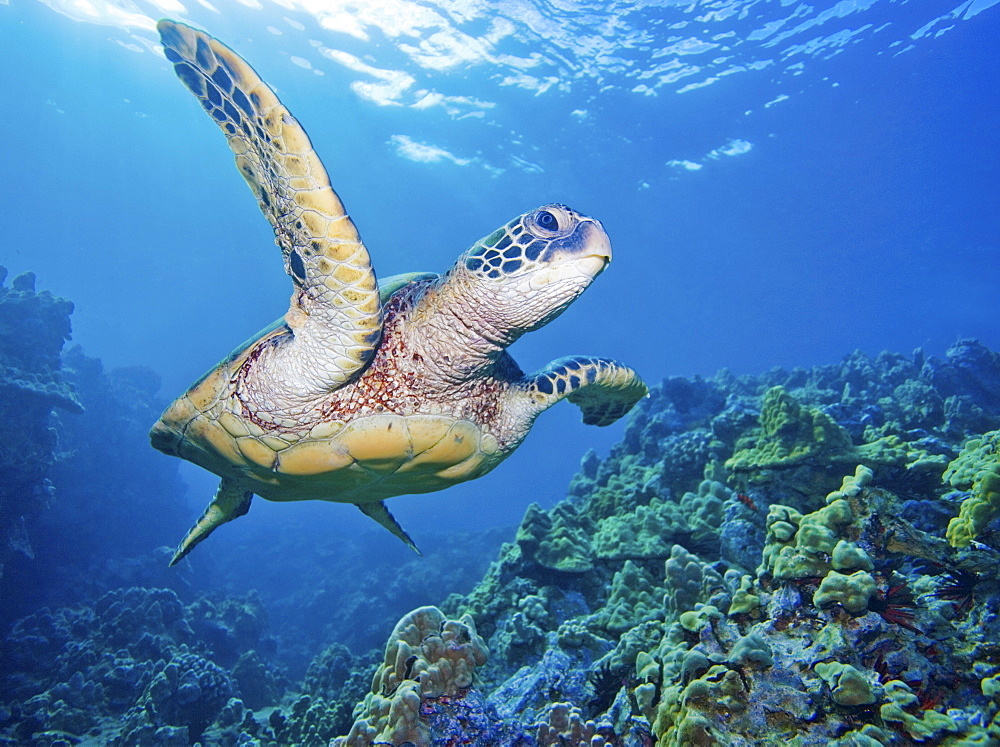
{"x":798,"y":604}
{"x":805,"y":556}
{"x":136,"y":667}
{"x":33,"y":327}
{"x":428,"y":668}
{"x":82,"y":479}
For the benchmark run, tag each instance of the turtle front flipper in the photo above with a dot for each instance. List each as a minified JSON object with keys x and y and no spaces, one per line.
{"x":602,"y":387}
{"x":230,"y":503}
{"x":335,"y":314}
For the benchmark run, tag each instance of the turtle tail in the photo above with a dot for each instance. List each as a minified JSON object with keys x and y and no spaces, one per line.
{"x":230,"y":502}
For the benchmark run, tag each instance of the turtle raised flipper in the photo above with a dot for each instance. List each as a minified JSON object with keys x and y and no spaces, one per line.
{"x":335,"y":313}
{"x":231,"y":501}
{"x":602,"y":387}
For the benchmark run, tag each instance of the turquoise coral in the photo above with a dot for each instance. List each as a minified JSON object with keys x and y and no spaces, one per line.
{"x":556,"y":541}
{"x":852,"y":592}
{"x":921,"y":725}
{"x":635,"y":598}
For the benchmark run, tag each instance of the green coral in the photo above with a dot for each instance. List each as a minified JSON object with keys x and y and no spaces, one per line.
{"x":427,"y":656}
{"x":806,"y":441}
{"x":643,"y":533}
{"x":559,"y":540}
{"x":848,"y":686}
{"x":643,"y":637}
{"x":977,"y":469}
{"x":744,"y":598}
{"x":847,"y":556}
{"x":892,"y":449}
{"x":696,"y":619}
{"x":991,"y":689}
{"x":635,"y":598}
{"x":566,"y":725}
{"x":851,"y":485}
{"x":699,"y":713}
{"x":648,"y":531}
{"x":790,"y":435}
{"x":618,"y":495}
{"x":812,"y":545}
{"x":704,"y":510}
{"x":922,"y":725}
{"x":690,"y":581}
{"x":852,"y":592}
{"x":751,"y":650}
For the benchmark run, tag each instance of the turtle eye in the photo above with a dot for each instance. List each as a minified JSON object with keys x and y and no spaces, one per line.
{"x":547,"y":220}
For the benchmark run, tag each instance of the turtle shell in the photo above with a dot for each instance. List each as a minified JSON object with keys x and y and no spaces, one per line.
{"x":364,"y":459}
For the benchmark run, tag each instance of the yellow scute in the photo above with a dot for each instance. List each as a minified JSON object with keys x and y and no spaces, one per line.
{"x":313,"y":458}
{"x":203,"y":394}
{"x":426,"y":431}
{"x":459,"y":443}
{"x":255,"y":451}
{"x":205,"y":435}
{"x":233,"y":425}
{"x":326,"y":429}
{"x":379,"y":442}
{"x":463,"y":471}
{"x":489,"y":444}
{"x":275,"y":444}
{"x":179,"y":414}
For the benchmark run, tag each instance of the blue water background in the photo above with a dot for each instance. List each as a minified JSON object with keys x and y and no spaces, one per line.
{"x":830,"y":190}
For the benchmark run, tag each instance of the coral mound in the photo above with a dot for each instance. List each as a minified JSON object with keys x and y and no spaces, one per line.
{"x":428,"y":668}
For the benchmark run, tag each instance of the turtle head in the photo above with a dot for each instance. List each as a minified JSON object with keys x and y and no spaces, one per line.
{"x":527,"y":272}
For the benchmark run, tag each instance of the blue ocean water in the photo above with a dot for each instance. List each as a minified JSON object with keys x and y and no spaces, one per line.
{"x":783,"y":183}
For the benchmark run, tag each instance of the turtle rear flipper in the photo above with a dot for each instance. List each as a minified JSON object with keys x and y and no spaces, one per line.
{"x":335,"y":314}
{"x":602,"y":387}
{"x":380,"y":513}
{"x":230,"y":503}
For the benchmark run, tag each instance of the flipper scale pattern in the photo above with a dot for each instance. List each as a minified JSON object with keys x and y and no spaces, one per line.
{"x":335,"y":284}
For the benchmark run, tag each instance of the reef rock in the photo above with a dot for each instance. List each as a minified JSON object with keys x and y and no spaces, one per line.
{"x":33,"y":328}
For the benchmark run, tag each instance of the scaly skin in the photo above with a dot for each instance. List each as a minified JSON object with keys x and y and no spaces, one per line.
{"x":334,"y":310}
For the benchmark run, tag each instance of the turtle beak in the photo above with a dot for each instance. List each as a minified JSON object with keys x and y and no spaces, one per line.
{"x":598,"y":238}
{"x":594,"y":247}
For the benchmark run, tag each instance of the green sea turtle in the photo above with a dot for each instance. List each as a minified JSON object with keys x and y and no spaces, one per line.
{"x":364,"y":391}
